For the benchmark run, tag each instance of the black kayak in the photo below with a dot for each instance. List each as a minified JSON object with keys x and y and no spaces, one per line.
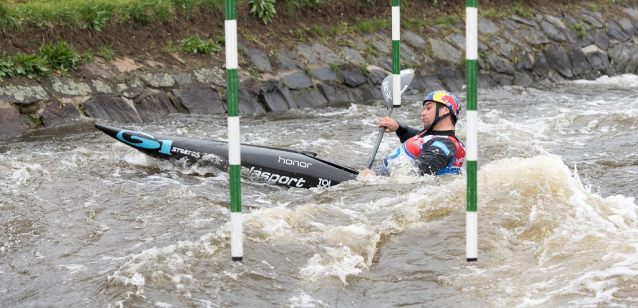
{"x":276,"y":166}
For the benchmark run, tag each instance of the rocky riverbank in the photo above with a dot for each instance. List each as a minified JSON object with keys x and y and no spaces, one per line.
{"x":581,"y":44}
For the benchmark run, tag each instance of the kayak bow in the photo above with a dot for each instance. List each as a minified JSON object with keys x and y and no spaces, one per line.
{"x":276,"y":166}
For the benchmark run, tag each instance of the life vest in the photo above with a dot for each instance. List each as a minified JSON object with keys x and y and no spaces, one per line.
{"x":412,"y":148}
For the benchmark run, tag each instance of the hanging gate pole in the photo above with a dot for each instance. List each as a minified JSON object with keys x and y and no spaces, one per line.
{"x":234,"y":154}
{"x":471,"y":224}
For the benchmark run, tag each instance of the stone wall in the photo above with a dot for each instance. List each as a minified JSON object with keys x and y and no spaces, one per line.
{"x":517,"y":51}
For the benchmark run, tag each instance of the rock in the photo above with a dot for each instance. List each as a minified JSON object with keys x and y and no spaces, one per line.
{"x":408,"y":56}
{"x":624,"y":57}
{"x":23,"y":94}
{"x":578,"y":60}
{"x":153,"y":105}
{"x":210,"y":76}
{"x":325,"y":54}
{"x":287,"y":61}
{"x":276,"y":96}
{"x":248,"y":104}
{"x":352,"y":56}
{"x":451,"y":77}
{"x":63,"y":86}
{"x":555,"y":21}
{"x":102,"y":87}
{"x":559,"y":61}
{"x":631,"y":12}
{"x":377,"y":76}
{"x":309,"y":98}
{"x":132,"y":88}
{"x":442,"y":50}
{"x":541,"y":67}
{"x":592,"y":21}
{"x":458,"y":39}
{"x":9,"y":121}
{"x":615,"y":32}
{"x":337,"y":95}
{"x":199,"y":100}
{"x":158,"y":80}
{"x":552,"y":32}
{"x":500,"y":64}
{"x":353,"y":78}
{"x":515,"y":38}
{"x":413,"y":39}
{"x":511,"y":24}
{"x":486,"y":26}
{"x":56,"y":114}
{"x":324,"y":74}
{"x":371,"y":93}
{"x":628,"y":27}
{"x":599,"y":60}
{"x":381,"y":47}
{"x":534,"y":37}
{"x":306,"y":52}
{"x":501,"y":80}
{"x":525,"y":62}
{"x":183,"y":79}
{"x":523,"y":80}
{"x":111,"y":108}
{"x":601,"y":39}
{"x":427,"y":83}
{"x":525,"y":21}
{"x":259,"y":60}
{"x":297,"y":80}
{"x":502,"y":47}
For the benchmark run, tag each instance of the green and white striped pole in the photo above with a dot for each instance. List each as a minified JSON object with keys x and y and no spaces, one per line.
{"x":471,"y":224}
{"x":234,"y":154}
{"x":396,"y":57}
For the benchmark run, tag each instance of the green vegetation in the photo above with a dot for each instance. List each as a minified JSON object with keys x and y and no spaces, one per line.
{"x":37,"y":120}
{"x":94,"y":14}
{"x":107,"y":52}
{"x":195,"y":45}
{"x":264,"y":9}
{"x":60,"y":57}
{"x":581,"y":30}
{"x":31,"y":66}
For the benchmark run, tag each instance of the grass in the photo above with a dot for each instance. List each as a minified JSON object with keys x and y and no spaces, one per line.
{"x":93,"y":14}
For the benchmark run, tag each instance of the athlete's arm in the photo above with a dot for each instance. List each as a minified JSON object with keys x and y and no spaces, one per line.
{"x":405,"y":132}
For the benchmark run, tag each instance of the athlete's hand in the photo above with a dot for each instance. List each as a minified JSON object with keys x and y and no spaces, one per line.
{"x":389,"y":124}
{"x":365,"y":172}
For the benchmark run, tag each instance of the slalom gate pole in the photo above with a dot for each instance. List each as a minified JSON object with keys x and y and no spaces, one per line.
{"x":471,"y":224}
{"x":234,"y":154}
{"x":396,"y":54}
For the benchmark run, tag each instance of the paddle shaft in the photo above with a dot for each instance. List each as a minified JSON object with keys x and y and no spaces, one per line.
{"x":379,"y":137}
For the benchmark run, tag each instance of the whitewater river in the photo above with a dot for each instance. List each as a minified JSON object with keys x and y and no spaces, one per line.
{"x":86,"y":221}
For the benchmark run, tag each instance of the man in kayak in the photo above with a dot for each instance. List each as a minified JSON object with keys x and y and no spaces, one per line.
{"x":435,"y":149}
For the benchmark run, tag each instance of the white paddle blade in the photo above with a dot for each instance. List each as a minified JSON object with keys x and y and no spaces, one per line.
{"x":386,"y":86}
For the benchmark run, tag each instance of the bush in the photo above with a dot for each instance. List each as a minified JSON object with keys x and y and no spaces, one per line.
{"x":61,"y":57}
{"x":264,"y":9}
{"x":195,"y":45}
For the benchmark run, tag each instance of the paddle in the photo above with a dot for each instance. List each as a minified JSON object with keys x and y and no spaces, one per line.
{"x":386,"y":88}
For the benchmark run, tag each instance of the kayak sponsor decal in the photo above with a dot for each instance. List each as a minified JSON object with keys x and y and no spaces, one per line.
{"x":278,"y":179}
{"x":292,"y":162}
{"x":145,"y":141}
{"x":194,"y":154}
{"x":324,"y":183}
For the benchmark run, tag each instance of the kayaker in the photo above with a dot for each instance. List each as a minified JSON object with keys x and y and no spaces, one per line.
{"x":435,"y":149}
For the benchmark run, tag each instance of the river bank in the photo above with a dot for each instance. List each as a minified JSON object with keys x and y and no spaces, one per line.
{"x":547,"y":47}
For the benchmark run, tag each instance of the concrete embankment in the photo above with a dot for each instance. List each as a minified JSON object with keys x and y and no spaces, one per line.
{"x":545,"y":48}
